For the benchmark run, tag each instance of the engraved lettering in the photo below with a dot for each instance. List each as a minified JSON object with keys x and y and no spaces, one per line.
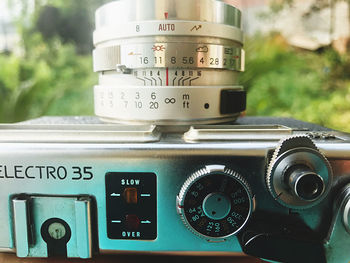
{"x":166,"y":27}
{"x":130,"y":234}
{"x":6,"y":175}
{"x":27,"y":172}
{"x":47,"y":172}
{"x":88,"y":174}
{"x":61,"y":172}
{"x":129,"y":181}
{"x":40,"y":171}
{"x":18,"y":170}
{"x":50,"y":171}
{"x":77,"y":171}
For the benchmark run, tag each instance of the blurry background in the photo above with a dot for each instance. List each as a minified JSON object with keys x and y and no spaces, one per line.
{"x":297,"y":65}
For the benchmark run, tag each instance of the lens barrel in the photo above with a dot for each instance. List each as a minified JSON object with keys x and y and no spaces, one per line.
{"x":168,"y":62}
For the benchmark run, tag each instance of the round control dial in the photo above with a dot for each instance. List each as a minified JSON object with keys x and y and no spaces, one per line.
{"x":298,"y":176}
{"x":215,"y":202}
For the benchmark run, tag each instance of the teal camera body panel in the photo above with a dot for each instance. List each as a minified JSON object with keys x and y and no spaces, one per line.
{"x":123,"y":189}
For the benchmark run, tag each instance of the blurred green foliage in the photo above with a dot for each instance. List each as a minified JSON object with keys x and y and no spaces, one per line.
{"x":54,"y":74}
{"x":52,"y":79}
{"x":285,"y":82}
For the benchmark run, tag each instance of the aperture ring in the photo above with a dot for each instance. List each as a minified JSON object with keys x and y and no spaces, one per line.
{"x":168,"y":55}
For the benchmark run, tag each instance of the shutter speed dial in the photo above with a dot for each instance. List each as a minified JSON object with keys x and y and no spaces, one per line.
{"x":215,"y":202}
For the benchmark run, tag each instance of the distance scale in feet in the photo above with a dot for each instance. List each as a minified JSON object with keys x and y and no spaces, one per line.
{"x":153,"y":103}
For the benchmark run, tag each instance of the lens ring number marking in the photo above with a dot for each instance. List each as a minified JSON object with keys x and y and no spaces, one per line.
{"x":186,"y":55}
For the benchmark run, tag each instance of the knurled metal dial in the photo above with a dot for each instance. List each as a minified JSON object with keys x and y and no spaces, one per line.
{"x":215,"y":202}
{"x":298,"y":175}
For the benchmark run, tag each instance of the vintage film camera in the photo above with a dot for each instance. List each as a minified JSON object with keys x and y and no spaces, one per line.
{"x":166,"y":181}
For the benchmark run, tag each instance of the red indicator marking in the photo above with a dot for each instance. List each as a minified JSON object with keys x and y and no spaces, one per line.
{"x":132,"y":222}
{"x":167,"y":76}
{"x":166,"y":15}
{"x":158,"y":48}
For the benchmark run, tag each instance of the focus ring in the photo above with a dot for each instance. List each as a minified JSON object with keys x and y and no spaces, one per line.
{"x":162,"y":103}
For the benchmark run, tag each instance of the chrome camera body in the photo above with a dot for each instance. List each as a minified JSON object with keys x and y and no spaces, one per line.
{"x":183,"y":173}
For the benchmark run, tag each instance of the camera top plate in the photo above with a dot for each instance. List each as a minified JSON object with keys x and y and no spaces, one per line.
{"x":92,"y":130}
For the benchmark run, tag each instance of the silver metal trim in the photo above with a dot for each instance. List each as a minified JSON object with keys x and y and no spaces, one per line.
{"x":82,"y":133}
{"x":346,"y":214}
{"x":236,"y":133}
{"x":207,"y":31}
{"x":192,"y":10}
{"x":21,"y":227}
{"x":106,"y":58}
{"x":83,"y":228}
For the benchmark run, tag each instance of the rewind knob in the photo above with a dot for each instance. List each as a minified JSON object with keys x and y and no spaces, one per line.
{"x":215,"y":202}
{"x":298,"y":176}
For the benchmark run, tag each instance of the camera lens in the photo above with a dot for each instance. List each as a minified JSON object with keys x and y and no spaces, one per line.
{"x":168,"y":62}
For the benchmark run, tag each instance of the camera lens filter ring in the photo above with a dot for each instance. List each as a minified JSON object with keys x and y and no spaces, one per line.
{"x":187,"y":52}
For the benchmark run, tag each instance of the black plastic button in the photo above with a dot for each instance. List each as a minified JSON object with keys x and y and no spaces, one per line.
{"x":233,"y":101}
{"x":282,"y":239}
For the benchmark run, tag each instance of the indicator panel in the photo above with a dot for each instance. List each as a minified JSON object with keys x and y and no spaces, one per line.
{"x":131,"y":204}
